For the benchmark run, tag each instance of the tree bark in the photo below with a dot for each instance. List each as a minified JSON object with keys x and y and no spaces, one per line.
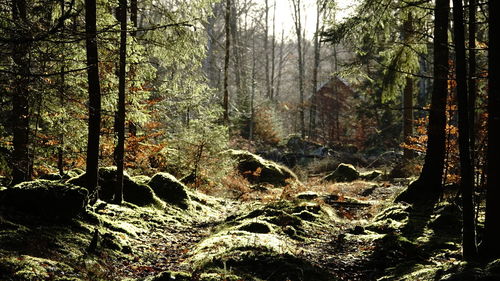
{"x":429,"y":184}
{"x":492,"y":227}
{"x":300,"y":61}
{"x":266,"y":48}
{"x":20,"y":100}
{"x":472,"y":76}
{"x":120,"y":122}
{"x":317,"y":49}
{"x":94,"y":106}
{"x":466,"y":172}
{"x":226,"y":62}
{"x":408,"y":94}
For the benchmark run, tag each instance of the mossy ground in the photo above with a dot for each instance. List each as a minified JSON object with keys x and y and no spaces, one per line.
{"x":318,"y":231}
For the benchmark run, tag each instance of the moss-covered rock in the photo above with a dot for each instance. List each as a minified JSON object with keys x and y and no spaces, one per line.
{"x":141,"y":179}
{"x":343,"y":173}
{"x":51,"y":176}
{"x":370,"y":175}
{"x":256,"y":227}
{"x":44,"y":198}
{"x":258,"y":170}
{"x":308,"y":195}
{"x":133,"y":192}
{"x":24,"y":267}
{"x":168,"y":188}
{"x":170,"y":276}
{"x":390,"y":219}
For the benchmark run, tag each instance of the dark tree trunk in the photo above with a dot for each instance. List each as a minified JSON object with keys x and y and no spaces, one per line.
{"x":472,"y":75}
{"x":492,"y":227}
{"x":408,"y":94}
{"x":429,"y":184}
{"x":20,"y":100}
{"x":226,"y":62}
{"x":94,"y":105}
{"x":466,"y":173}
{"x":120,"y":122}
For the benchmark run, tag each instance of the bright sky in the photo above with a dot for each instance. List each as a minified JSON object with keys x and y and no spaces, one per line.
{"x":284,"y":14}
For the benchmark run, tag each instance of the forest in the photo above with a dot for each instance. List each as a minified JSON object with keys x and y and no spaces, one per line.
{"x":228,"y":140}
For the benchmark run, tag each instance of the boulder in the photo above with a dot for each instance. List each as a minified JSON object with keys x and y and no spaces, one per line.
{"x":171,"y":190}
{"x":45,"y":198}
{"x":258,"y":170}
{"x":133,"y":192}
{"x":343,"y":173}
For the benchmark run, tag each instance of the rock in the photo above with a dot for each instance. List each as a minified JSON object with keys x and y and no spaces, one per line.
{"x":133,"y":192}
{"x":256,"y":227}
{"x":4,"y":181}
{"x":308,"y":195}
{"x":258,"y":170}
{"x":343,"y":173}
{"x":44,"y":198}
{"x":448,"y":217}
{"x":372,"y":175}
{"x":168,"y":188}
{"x":494,"y":267}
{"x":141,"y":179}
{"x":170,"y":276}
{"x":51,"y":176}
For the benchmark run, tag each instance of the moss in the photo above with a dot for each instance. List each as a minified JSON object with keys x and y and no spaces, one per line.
{"x":343,"y":173}
{"x":169,"y":189}
{"x":141,"y":179}
{"x":133,"y":192}
{"x":258,"y":170}
{"x":44,"y":198}
{"x":26,"y":267}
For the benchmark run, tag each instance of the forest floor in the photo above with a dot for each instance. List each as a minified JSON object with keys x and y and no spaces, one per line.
{"x":311,"y":231}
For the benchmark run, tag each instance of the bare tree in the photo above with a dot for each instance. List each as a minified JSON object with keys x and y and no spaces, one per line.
{"x":297,"y":7}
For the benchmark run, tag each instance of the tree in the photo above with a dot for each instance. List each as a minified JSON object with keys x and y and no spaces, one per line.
{"x":20,"y":100}
{"x":429,"y":183}
{"x":120,"y":116}
{"x":466,"y":172}
{"x":297,"y":18}
{"x":408,"y":92}
{"x":492,"y":227}
{"x":226,"y":62}
{"x":94,"y":90}
{"x":317,"y":57}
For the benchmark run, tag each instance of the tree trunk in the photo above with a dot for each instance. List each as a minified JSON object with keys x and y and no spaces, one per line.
{"x":429,"y":184}
{"x":226,"y":62}
{"x":120,"y":122}
{"x":280,"y":64}
{"x":408,"y":94}
{"x":472,"y":77}
{"x":94,"y":89}
{"x":266,"y":48}
{"x":273,"y":50}
{"x":312,"y":109}
{"x":20,"y":100}
{"x":492,"y":227}
{"x":298,"y":31}
{"x":466,"y":173}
